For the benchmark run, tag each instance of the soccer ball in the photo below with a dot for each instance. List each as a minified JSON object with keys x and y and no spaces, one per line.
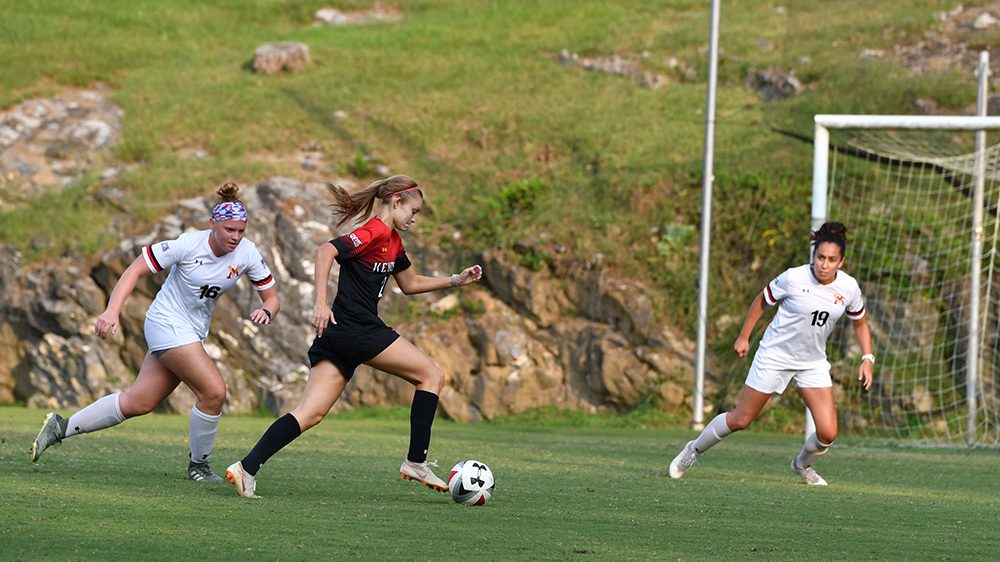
{"x":471,"y":482}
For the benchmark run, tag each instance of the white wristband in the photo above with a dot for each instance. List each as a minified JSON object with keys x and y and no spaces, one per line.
{"x":454,"y":280}
{"x":868,"y":357}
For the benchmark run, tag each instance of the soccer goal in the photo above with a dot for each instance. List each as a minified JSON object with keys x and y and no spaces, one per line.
{"x":920,"y":197}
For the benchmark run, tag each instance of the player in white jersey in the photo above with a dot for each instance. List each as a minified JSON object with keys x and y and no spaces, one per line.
{"x":810,"y":299}
{"x":203,"y":265}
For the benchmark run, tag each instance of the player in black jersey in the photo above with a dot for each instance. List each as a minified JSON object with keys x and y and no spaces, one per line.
{"x":351,"y":333}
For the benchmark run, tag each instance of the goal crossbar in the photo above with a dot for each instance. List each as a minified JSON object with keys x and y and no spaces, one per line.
{"x":943,"y":122}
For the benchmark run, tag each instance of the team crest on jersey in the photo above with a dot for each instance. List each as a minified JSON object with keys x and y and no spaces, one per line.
{"x":839,"y":299}
{"x":355,"y":240}
{"x":164,"y":247}
{"x":233,"y":271}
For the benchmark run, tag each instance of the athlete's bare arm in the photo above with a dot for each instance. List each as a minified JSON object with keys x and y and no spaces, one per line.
{"x":411,"y":283}
{"x":108,"y":321}
{"x":326,"y":253}
{"x":864,"y":334}
{"x":742,"y":345}
{"x":270,"y":302}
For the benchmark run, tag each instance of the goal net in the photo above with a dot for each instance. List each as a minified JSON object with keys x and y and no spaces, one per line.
{"x":909,"y":198}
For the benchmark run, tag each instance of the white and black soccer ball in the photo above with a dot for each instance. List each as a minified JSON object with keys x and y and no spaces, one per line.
{"x":471,"y":483}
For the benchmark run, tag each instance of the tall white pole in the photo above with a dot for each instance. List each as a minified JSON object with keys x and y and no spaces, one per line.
{"x":972,"y":365}
{"x":698,"y":404}
{"x":821,"y":171}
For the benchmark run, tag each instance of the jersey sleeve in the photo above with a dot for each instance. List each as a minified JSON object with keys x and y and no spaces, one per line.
{"x":776,"y":289}
{"x":258,"y":273}
{"x":856,"y":307}
{"x":162,"y":255}
{"x":402,"y":263}
{"x":353,"y":243}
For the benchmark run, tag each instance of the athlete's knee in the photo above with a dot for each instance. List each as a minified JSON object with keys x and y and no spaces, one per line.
{"x":136,"y":405}
{"x":432,"y":379}
{"x":307,"y":419}
{"x":738,"y":421}
{"x":212,"y":397}
{"x":826,"y":436}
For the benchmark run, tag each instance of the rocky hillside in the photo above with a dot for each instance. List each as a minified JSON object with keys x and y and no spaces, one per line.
{"x":570,"y":336}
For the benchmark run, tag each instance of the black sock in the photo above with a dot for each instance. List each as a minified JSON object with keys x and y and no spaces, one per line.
{"x":421,"y":417}
{"x":283,"y":431}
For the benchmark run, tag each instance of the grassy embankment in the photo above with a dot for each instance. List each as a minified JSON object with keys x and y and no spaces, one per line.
{"x":468,"y":97}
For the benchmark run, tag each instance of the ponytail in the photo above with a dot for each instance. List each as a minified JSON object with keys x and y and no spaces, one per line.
{"x":349,"y":206}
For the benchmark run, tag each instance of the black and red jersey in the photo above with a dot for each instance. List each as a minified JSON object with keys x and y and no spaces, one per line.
{"x":367,"y":256}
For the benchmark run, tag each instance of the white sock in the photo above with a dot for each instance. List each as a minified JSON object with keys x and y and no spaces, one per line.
{"x":102,"y":414}
{"x":812,"y":450}
{"x":203,"y":429}
{"x":712,"y":434}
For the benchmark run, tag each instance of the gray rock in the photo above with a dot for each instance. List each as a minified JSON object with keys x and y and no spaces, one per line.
{"x":379,"y":13}
{"x":774,"y":83}
{"x":283,"y":56}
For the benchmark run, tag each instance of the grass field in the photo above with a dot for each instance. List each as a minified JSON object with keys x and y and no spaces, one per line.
{"x":468,"y":96}
{"x":576,"y":493}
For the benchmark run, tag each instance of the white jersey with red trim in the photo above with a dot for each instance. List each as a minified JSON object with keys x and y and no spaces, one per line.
{"x":807,"y":312}
{"x":197,"y":277}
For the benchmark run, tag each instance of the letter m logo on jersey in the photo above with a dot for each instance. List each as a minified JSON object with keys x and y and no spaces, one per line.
{"x":233,"y":271}
{"x":839,"y":299}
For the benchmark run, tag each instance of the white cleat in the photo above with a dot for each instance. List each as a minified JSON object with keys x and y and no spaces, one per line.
{"x":246,"y":483}
{"x":684,"y":460}
{"x":52,"y":433}
{"x":421,"y":472}
{"x":808,"y":474}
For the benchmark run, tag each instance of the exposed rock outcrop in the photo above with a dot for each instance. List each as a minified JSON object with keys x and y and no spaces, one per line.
{"x":618,"y":66}
{"x":568,"y":336}
{"x":48,"y":142}
{"x":953,"y":44}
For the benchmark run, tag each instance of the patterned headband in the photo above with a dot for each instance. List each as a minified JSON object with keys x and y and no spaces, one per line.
{"x":230,"y":211}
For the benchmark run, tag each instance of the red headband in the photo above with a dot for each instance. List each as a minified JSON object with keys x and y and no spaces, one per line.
{"x":401,"y":191}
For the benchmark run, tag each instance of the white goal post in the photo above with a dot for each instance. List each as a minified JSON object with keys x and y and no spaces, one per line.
{"x":890,"y":168}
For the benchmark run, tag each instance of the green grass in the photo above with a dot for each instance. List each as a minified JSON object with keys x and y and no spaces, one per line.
{"x":582,"y":493}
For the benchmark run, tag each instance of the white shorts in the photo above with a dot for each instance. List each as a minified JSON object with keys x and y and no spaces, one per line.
{"x":161,"y":336}
{"x":770,"y":380}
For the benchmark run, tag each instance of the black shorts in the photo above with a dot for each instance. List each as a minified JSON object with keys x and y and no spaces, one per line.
{"x":348,"y":349}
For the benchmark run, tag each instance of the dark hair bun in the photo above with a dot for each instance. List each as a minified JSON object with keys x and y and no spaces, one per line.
{"x":228,"y":191}
{"x":835,"y":230}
